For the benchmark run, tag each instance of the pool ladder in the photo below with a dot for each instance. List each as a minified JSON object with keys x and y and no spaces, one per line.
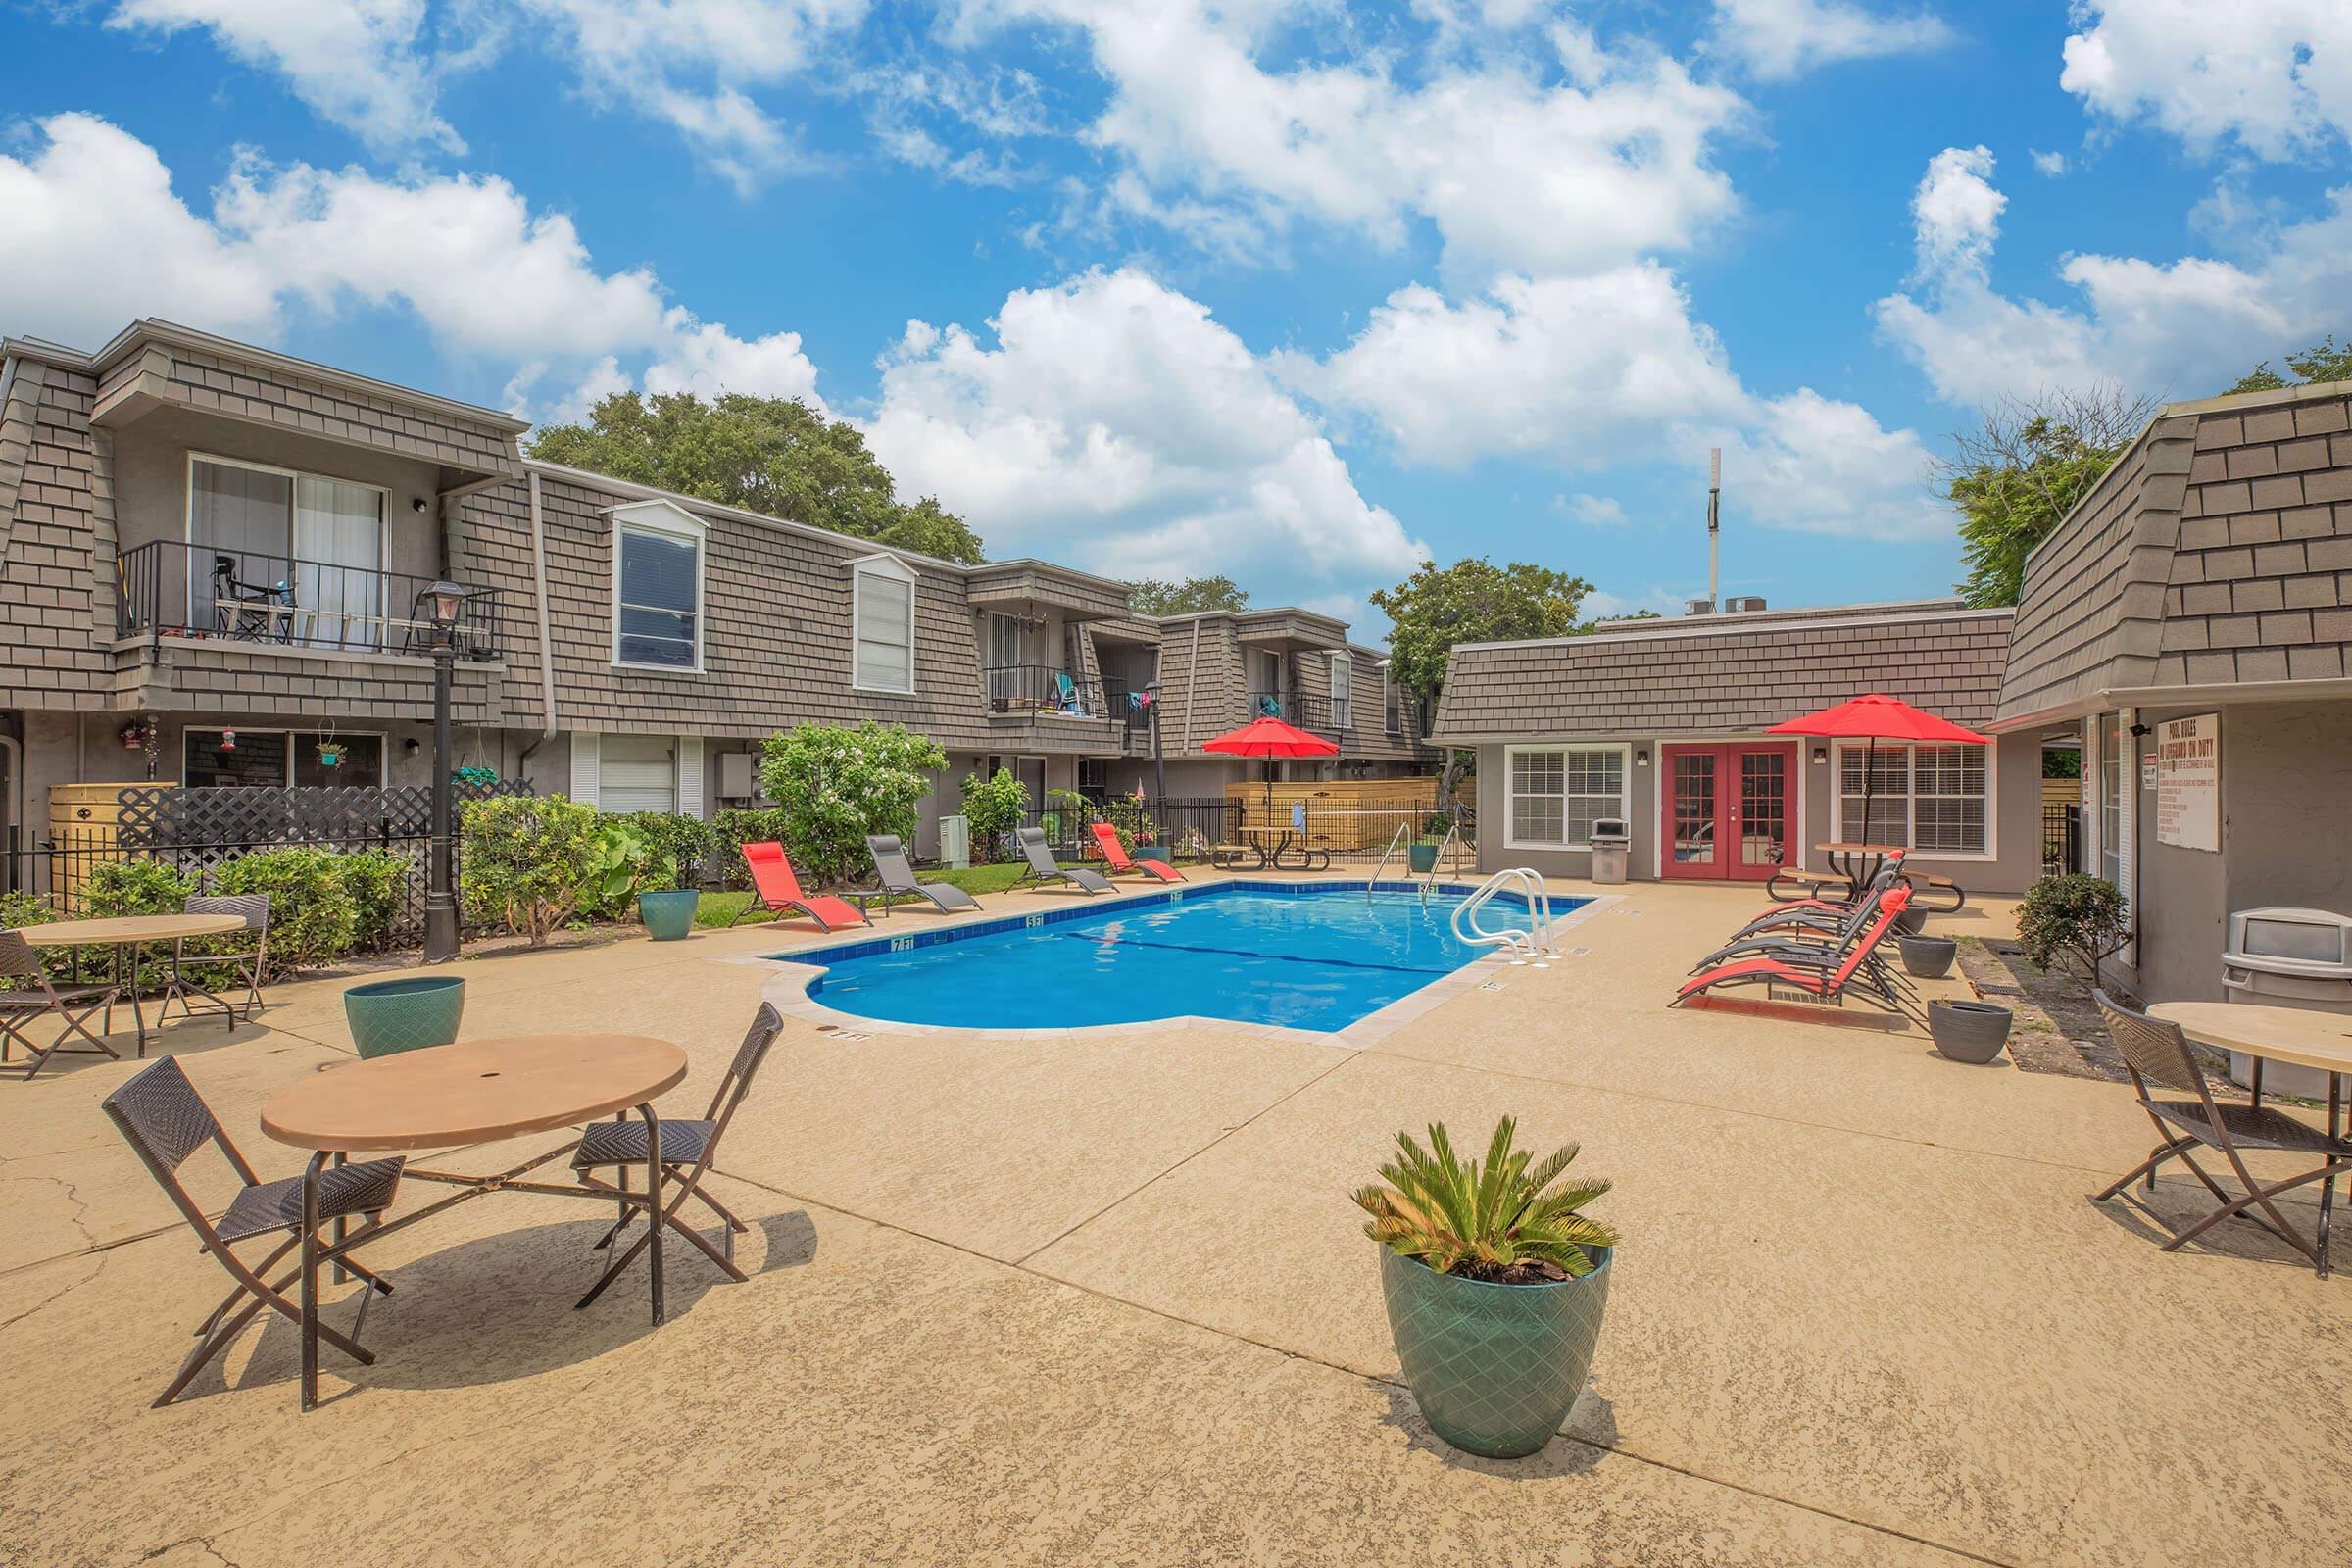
{"x":1394,"y":839}
{"x":1532,"y":945}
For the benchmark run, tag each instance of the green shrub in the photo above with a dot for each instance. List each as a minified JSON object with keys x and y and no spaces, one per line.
{"x":834,"y":786}
{"x":134,"y":887}
{"x":2073,"y":917}
{"x":686,"y":842}
{"x":18,"y":909}
{"x":521,"y":859}
{"x":378,"y":882}
{"x":992,"y":809}
{"x":1495,"y":1222}
{"x":1133,"y":824}
{"x":313,"y":915}
{"x":730,"y":830}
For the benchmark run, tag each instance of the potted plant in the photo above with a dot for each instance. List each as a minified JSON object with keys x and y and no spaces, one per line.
{"x":1973,"y":1032}
{"x":1495,"y":1285}
{"x":1422,"y":853}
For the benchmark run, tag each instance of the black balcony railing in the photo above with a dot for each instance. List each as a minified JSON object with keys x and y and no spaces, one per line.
{"x":166,"y":588}
{"x":1319,"y":713}
{"x":1042,"y":689}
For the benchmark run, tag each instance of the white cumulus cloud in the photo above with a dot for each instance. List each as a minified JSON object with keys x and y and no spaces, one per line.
{"x":2272,"y":76}
{"x":1777,"y":39}
{"x":2185,"y":327}
{"x":1113,"y":423}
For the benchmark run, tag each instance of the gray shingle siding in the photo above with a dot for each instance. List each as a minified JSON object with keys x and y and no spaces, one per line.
{"x":56,"y":541}
{"x":1724,"y":680}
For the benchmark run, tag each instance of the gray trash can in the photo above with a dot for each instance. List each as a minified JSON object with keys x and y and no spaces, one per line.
{"x":1611,"y":838}
{"x":2286,"y":957}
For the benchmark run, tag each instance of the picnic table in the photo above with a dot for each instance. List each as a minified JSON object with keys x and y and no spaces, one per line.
{"x":1275,"y":841}
{"x":481,"y":1090}
{"x":133,"y":932}
{"x":1858,"y":863}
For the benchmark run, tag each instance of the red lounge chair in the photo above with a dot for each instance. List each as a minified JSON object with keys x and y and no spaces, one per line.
{"x":1819,"y":980}
{"x":1115,"y":856}
{"x":779,"y":890}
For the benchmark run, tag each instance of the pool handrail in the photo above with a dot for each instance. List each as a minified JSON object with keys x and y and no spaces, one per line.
{"x":1533,"y":943}
{"x":1386,"y":855}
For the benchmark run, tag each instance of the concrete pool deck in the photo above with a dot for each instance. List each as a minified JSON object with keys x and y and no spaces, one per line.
{"x":1104,"y":1300}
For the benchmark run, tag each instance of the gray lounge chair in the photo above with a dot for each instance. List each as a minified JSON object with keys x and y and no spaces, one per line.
{"x":1040,"y":856}
{"x":896,"y":876}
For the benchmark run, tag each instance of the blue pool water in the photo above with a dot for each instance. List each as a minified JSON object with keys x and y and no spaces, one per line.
{"x":1307,"y":958}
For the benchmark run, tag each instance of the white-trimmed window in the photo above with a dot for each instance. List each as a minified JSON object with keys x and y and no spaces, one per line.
{"x":656,"y":587}
{"x":1343,"y":692}
{"x":1937,"y":800}
{"x":1553,"y":795}
{"x":233,"y":756}
{"x":882,"y":611}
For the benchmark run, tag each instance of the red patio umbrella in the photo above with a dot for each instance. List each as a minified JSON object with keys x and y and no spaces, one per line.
{"x":1270,"y":737}
{"x":1875,"y":719}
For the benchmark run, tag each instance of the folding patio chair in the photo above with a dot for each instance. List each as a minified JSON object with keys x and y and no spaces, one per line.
{"x":896,"y":875}
{"x":73,"y":1006}
{"x":1042,"y":868}
{"x":254,"y":909}
{"x":777,"y":889}
{"x":1115,"y":856}
{"x":688,"y":1148}
{"x":164,"y":1119}
{"x":2157,"y":1052}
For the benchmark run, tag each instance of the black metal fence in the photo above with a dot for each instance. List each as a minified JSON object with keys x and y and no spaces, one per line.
{"x":1354,"y":834}
{"x":170,"y":588}
{"x":2060,"y":839}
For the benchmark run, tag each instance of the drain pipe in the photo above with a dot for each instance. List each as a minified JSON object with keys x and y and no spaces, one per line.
{"x":1192,"y":684}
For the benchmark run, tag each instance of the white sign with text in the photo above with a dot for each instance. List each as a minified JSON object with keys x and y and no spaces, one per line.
{"x":2188,"y":782}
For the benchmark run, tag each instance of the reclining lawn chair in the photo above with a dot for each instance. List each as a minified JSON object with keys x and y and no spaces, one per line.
{"x":896,"y":875}
{"x":1040,"y":856}
{"x":1820,"y":915}
{"x":777,"y":889}
{"x":1114,"y":855}
{"x":1832,"y":976}
{"x":1803,"y":931}
{"x":2156,"y":1052}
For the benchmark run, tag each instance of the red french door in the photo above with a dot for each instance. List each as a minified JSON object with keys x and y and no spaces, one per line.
{"x":1730,"y":811}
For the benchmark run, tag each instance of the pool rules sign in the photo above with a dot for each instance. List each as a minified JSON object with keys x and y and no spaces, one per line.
{"x":2188,"y":782}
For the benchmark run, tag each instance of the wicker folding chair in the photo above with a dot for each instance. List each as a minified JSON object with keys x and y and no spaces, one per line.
{"x":2156,"y":1052}
{"x":164,"y":1120}
{"x":73,"y":1006}
{"x":688,"y":1148}
{"x":254,"y":909}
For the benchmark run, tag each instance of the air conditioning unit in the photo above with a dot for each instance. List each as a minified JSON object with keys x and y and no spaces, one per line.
{"x":735,"y":779}
{"x":1699,"y":607}
{"x":1746,"y":606}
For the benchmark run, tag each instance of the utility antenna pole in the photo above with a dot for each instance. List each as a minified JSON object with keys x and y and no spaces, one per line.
{"x":1714,"y":522}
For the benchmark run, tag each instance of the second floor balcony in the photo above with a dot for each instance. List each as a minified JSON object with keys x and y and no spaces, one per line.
{"x":1323,"y":715}
{"x":167,"y":588}
{"x":1027,"y":690}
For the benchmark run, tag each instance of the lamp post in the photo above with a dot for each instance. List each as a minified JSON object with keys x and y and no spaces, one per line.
{"x":444,"y":602}
{"x":1160,"y":764}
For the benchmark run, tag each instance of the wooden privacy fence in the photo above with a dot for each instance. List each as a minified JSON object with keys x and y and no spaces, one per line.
{"x":1342,"y":815}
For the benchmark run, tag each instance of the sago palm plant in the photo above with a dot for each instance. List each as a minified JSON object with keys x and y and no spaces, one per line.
{"x":1493,"y":1220}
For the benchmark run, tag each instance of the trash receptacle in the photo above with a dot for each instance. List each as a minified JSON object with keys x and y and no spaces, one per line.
{"x":2283,"y":957}
{"x":1611,"y":838}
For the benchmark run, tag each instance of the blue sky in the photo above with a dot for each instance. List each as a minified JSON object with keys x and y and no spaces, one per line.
{"x":1284,"y":288}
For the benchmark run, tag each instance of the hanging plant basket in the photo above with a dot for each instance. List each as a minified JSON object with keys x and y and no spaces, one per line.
{"x":331,"y":753}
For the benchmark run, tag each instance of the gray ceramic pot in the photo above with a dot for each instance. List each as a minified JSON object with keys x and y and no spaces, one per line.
{"x":1928,"y":957}
{"x":1973,"y":1032}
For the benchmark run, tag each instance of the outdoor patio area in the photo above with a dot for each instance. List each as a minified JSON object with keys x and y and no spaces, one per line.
{"x":1104,"y":1298}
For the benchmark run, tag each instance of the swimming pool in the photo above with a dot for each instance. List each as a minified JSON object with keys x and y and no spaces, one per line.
{"x":1305,"y":956}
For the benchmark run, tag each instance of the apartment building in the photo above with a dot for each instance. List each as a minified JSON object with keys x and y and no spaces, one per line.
{"x":212,"y":554}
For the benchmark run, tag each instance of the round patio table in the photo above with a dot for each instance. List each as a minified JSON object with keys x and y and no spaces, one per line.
{"x":132,"y":931}
{"x":2297,"y":1035}
{"x":477,"y":1091}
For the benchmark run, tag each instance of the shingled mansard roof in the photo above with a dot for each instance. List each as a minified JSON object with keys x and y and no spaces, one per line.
{"x":1725,"y":674}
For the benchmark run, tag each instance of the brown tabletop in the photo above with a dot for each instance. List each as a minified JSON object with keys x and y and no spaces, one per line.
{"x":128,"y":928}
{"x":473,"y":1092}
{"x":2305,"y":1038}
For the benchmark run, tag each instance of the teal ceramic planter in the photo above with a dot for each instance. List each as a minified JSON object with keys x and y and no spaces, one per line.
{"x":1422,"y":857}
{"x":1496,"y":1368}
{"x":387,"y":1016}
{"x":668,"y":915}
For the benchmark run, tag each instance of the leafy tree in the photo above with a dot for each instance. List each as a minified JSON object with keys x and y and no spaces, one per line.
{"x":2322,"y":361}
{"x":1471,"y":601}
{"x":521,"y":859}
{"x":773,"y":454}
{"x":1151,"y":596}
{"x":993,"y":808}
{"x":2015,"y":476}
{"x":833,"y":786}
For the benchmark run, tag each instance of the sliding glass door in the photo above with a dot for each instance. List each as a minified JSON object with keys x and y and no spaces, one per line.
{"x":284,"y":557}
